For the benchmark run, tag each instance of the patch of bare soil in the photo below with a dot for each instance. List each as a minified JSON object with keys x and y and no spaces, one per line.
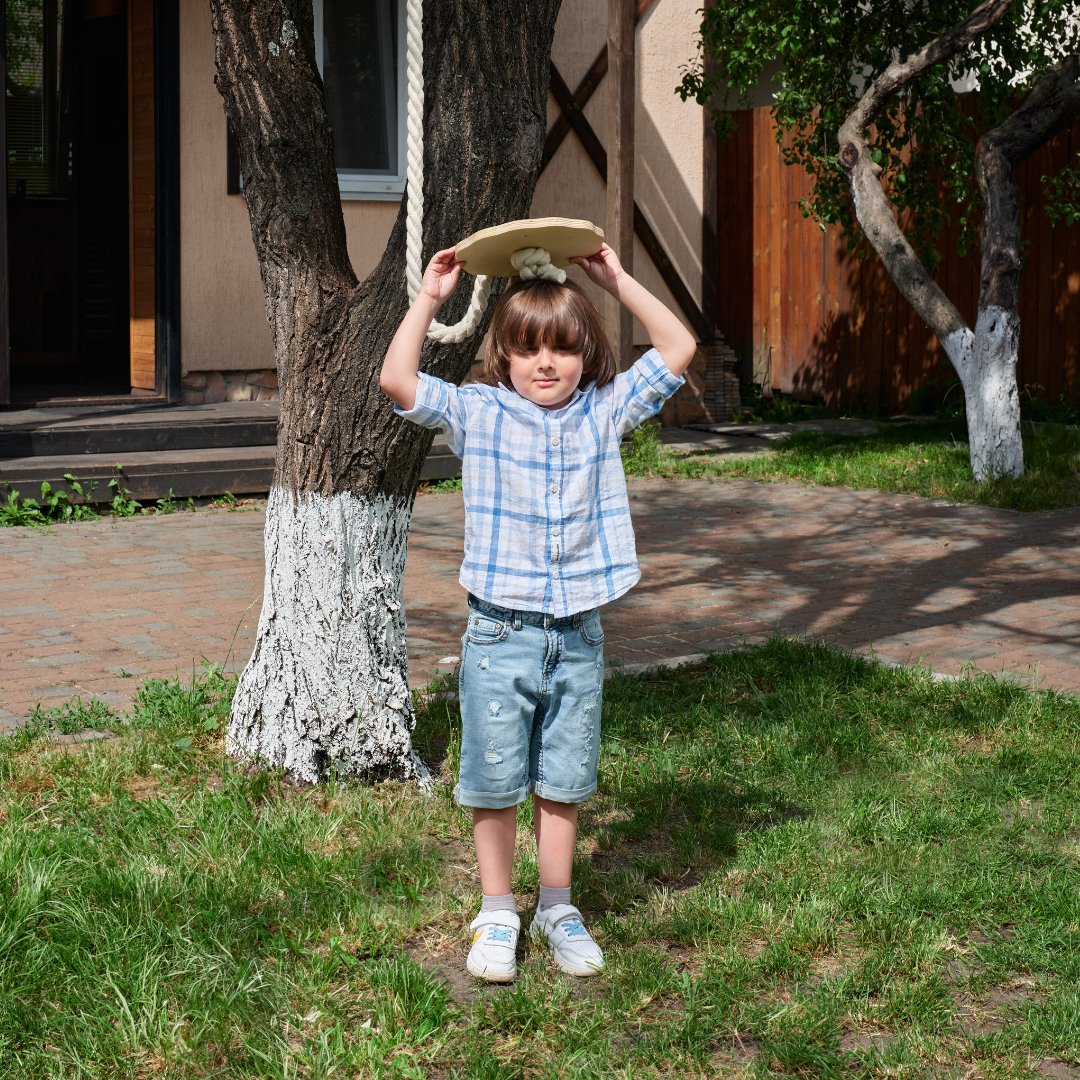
{"x":734,"y":1054}
{"x":1004,"y":932}
{"x":141,"y":788}
{"x":857,"y":1040}
{"x":458,"y":864}
{"x":1059,"y":1070}
{"x":1001,"y":1007}
{"x":835,"y":963}
{"x":449,"y":967}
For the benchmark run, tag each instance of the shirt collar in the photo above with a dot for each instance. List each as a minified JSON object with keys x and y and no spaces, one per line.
{"x":531,"y":405}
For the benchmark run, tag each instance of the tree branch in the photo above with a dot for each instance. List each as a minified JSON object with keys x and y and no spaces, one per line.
{"x":872,"y":206}
{"x":899,"y":73}
{"x":1048,"y":109}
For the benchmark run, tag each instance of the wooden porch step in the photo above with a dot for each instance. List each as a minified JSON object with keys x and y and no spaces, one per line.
{"x":196,"y":472}
{"x":136,"y":428}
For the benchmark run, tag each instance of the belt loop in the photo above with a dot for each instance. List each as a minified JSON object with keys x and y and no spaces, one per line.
{"x":517,"y":620}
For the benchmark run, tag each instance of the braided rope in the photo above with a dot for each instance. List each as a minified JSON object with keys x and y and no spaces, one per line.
{"x":535,"y":262}
{"x":414,"y":219}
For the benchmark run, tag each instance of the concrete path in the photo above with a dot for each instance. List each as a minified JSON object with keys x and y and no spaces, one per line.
{"x":91,"y":608}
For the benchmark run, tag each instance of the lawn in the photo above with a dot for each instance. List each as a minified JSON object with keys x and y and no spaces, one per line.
{"x":799,"y":863}
{"x":926,"y":459}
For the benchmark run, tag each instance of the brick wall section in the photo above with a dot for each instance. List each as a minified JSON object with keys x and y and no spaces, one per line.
{"x":711,"y":393}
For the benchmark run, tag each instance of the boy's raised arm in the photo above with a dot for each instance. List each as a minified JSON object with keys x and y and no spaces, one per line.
{"x":665,"y":330}
{"x":398,"y":376}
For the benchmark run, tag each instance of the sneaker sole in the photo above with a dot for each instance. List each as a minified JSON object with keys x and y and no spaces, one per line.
{"x":489,"y":975}
{"x":581,"y":970}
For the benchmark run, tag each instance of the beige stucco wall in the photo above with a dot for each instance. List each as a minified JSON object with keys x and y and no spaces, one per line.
{"x":223,"y":325}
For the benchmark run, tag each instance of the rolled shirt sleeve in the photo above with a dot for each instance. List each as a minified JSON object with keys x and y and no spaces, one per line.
{"x":438,"y":404}
{"x":641,"y":392}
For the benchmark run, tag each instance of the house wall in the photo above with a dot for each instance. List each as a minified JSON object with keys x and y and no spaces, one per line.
{"x":223,"y":326}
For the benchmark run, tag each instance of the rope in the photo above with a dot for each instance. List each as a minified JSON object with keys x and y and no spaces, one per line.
{"x":535,"y":262}
{"x":414,"y":219}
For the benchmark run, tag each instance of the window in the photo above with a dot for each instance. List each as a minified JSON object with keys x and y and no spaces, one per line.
{"x":360,"y":49}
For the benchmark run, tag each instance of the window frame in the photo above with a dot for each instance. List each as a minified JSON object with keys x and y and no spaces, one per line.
{"x":376,"y":186}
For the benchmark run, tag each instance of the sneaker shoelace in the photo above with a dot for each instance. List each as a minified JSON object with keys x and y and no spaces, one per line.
{"x":573,"y":928}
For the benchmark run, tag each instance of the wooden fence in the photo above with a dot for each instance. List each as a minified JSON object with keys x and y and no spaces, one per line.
{"x":819,"y":324}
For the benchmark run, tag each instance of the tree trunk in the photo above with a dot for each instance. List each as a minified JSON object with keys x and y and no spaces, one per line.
{"x":326,"y":687}
{"x":986,"y":363}
{"x":985,"y":359}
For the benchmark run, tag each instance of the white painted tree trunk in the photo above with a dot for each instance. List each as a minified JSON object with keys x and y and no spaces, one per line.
{"x":325,"y":690}
{"x":986,"y":364}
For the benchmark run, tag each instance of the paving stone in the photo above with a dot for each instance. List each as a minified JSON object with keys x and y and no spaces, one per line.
{"x":859,"y":568}
{"x":57,"y":660}
{"x":146,"y":647}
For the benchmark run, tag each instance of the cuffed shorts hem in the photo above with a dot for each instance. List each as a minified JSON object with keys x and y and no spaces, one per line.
{"x":566,"y":795}
{"x":491,"y":800}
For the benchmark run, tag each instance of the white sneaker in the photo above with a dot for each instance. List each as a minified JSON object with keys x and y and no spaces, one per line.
{"x":571,"y":944}
{"x":493,"y":955}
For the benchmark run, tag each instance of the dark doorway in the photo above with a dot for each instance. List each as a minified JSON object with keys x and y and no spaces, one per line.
{"x":66,"y":103}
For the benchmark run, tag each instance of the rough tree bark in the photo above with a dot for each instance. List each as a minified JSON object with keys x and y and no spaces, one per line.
{"x":984,"y":357}
{"x":326,"y":687}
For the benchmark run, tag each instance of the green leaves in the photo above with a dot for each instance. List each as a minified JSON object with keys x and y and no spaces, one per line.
{"x":818,"y":58}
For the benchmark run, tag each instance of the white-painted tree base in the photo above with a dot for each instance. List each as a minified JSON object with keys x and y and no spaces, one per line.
{"x":326,"y":688}
{"x":986,"y":364}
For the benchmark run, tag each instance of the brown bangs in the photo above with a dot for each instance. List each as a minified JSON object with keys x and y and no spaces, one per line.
{"x":535,"y":314}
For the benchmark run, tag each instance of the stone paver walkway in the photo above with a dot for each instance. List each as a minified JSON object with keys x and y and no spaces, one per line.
{"x":89,"y":608}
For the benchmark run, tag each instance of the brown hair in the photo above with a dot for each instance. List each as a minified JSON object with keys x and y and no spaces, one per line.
{"x":534,"y":313}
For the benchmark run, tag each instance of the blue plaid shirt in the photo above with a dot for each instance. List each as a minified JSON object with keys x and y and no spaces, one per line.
{"x":547,"y":519}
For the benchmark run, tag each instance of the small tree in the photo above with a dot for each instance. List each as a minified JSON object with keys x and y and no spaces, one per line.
{"x":866,"y":101}
{"x":326,"y":687}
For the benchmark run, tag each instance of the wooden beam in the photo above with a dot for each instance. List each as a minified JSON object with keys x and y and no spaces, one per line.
{"x":586,"y":88}
{"x":619,"y":217}
{"x":710,"y":210}
{"x":598,"y":156}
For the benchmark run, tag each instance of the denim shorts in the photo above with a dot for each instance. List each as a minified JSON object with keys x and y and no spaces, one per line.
{"x":530,"y":687}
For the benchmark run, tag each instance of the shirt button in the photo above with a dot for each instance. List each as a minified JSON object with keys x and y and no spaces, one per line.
{"x":555,"y":440}
{"x":556,"y":531}
{"x":555,"y":572}
{"x":554,"y":489}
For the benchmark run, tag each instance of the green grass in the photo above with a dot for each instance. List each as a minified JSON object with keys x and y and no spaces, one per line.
{"x":930,"y":460}
{"x":798,"y":863}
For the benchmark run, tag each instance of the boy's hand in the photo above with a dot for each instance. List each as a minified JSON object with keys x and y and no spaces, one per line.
{"x":603,"y":268}
{"x":441,"y":275}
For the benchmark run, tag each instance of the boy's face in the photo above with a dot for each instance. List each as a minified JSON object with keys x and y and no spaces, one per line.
{"x":546,"y":376}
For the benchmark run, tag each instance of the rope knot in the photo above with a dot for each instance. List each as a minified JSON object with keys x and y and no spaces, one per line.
{"x":535,"y":262}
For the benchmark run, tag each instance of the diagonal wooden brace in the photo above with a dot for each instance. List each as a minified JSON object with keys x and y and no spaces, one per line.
{"x":642,"y":229}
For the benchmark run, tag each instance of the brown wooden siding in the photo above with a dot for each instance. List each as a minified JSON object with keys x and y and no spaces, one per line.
{"x":821,"y":324}
{"x":141,"y":128}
